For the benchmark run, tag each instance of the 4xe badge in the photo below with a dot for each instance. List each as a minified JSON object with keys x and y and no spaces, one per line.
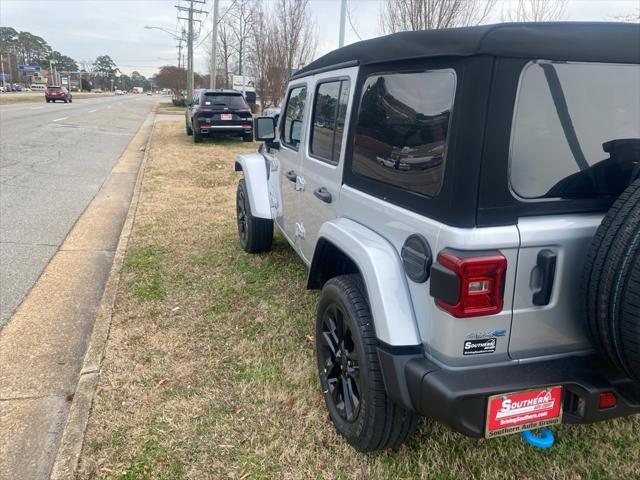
{"x":479,"y":347}
{"x":517,"y":411}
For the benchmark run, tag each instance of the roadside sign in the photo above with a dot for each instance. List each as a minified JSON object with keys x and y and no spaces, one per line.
{"x":238,"y":81}
{"x":29,"y":68}
{"x":5,"y":76}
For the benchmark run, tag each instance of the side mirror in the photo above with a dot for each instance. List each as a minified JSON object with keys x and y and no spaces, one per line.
{"x":265,"y":129}
{"x":295,"y":131}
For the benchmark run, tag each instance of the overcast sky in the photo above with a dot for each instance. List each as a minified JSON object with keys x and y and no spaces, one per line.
{"x":84,"y":29}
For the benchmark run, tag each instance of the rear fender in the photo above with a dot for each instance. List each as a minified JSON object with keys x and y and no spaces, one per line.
{"x":383,"y":275}
{"x":254,"y":168}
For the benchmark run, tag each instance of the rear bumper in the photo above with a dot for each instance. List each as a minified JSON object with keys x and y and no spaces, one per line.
{"x":458,"y":398}
{"x":213,"y":128}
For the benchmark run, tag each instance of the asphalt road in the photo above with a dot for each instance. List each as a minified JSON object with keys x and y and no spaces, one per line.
{"x":53,"y":159}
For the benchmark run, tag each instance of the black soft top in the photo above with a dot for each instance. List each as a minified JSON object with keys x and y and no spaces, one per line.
{"x":577,"y":41}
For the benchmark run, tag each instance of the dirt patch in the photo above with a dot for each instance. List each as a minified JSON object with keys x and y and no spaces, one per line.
{"x":209,"y":370}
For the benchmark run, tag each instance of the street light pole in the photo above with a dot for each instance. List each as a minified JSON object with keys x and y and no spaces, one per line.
{"x":343,"y":14}
{"x":214,"y":46}
{"x":4,"y":81}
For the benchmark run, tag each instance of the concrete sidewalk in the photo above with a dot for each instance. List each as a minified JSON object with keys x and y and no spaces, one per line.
{"x":43,"y":347}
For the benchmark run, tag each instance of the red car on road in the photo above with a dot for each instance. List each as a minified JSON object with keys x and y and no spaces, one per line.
{"x":53,"y":93}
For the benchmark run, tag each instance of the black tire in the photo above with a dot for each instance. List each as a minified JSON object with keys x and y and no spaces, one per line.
{"x":70,"y":100}
{"x":189,"y":130}
{"x":350,"y":363}
{"x":66,"y":101}
{"x":247,"y":137}
{"x":611,"y":284}
{"x":197,"y":137}
{"x":256,"y":234}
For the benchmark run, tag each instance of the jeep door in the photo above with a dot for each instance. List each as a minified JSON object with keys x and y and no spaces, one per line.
{"x":567,"y":116}
{"x":324,"y":152}
{"x":286,"y":163}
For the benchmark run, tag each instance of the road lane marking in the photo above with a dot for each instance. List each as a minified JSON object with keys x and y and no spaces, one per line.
{"x":91,"y":111}
{"x":61,"y":118}
{"x":36,"y":108}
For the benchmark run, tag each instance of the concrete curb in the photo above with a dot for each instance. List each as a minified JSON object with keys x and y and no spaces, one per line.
{"x":72,"y":439}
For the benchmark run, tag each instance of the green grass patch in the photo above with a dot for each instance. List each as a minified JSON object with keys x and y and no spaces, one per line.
{"x":145,"y":266}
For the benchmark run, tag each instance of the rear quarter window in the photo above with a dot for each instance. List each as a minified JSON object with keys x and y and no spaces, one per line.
{"x":575,"y":131}
{"x":403,"y":124}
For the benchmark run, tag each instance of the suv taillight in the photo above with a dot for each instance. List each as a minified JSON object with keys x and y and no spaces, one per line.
{"x":475,"y":283}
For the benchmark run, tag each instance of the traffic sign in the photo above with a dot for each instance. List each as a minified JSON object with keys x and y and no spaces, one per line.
{"x":29,"y":68}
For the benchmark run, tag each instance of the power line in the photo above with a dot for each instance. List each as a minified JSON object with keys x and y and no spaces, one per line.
{"x":219,"y":20}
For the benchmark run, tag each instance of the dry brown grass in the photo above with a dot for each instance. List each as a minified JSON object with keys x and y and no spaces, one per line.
{"x":209,"y":369}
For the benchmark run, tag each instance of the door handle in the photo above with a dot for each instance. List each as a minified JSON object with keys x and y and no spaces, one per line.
{"x":323,"y":194}
{"x":547,"y":266}
{"x":291,"y":176}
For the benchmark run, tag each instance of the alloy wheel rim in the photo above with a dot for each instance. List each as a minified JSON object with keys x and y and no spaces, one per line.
{"x":242,"y":217}
{"x":340,"y":363}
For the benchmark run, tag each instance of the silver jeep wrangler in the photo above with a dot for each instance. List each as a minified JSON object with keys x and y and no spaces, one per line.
{"x":468,"y":200}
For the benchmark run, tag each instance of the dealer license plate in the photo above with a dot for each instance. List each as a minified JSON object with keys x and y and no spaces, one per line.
{"x":514,"y":412}
{"x":226,"y":116}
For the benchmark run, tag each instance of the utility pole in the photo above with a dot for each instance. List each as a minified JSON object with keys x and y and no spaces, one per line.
{"x":4,"y":81}
{"x":190,"y":21}
{"x":214,"y":46}
{"x":343,"y":15}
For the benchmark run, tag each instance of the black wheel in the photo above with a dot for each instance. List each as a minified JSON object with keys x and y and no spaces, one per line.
{"x":65,"y":100}
{"x":349,"y":370}
{"x":197,"y":137}
{"x":256,"y":234}
{"x":70,"y":100}
{"x":189,"y":131}
{"x":247,"y":137}
{"x":611,"y":284}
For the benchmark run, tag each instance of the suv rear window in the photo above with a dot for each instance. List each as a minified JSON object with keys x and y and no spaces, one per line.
{"x":230,"y":100}
{"x":576,"y":130}
{"x":401,"y":135}
{"x":54,"y":88}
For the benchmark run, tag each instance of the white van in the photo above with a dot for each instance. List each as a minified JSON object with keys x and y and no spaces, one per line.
{"x":38,"y":86}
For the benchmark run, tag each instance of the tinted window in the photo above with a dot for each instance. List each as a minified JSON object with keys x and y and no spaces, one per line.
{"x":294,"y":116}
{"x":224,"y":100}
{"x":576,"y":130}
{"x":329,"y":112}
{"x":401,"y":135}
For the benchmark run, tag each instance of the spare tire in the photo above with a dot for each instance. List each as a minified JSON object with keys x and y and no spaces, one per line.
{"x":611,"y":284}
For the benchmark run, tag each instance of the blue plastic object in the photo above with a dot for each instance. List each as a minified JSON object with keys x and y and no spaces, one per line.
{"x":545,"y":440}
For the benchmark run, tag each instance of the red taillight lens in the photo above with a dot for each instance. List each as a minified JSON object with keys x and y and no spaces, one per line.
{"x":607,"y":400}
{"x":481,"y":284}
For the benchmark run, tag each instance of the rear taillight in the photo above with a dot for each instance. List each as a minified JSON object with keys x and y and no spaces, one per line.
{"x":607,"y":400}
{"x":475,"y":283}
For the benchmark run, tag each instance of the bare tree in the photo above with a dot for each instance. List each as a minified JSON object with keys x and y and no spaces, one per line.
{"x":242,"y":21}
{"x":283,"y":39}
{"x":226,"y":53}
{"x":403,"y":15}
{"x":629,"y":17}
{"x":535,"y":11}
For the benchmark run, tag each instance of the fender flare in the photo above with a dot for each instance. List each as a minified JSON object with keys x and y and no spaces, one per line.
{"x":383,"y":275}
{"x":254,"y":167}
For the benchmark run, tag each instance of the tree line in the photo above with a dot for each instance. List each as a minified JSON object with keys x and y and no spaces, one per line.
{"x":267,"y":41}
{"x":25,"y":48}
